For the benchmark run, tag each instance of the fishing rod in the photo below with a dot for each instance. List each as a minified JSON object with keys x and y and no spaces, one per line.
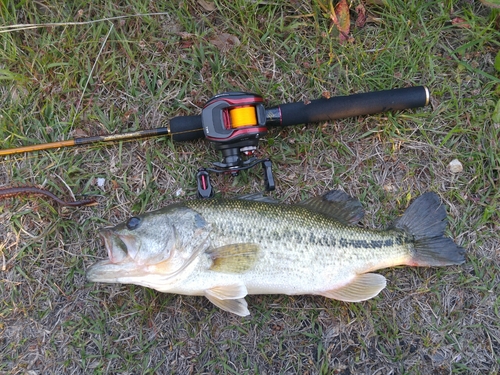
{"x":235,"y":121}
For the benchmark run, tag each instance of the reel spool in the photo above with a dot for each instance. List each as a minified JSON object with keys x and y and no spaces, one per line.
{"x":234,"y":123}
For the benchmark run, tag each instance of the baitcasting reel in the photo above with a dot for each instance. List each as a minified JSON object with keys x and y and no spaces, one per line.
{"x":234,"y":123}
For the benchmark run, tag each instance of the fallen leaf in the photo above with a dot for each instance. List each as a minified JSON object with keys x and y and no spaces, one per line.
{"x":343,"y":20}
{"x":185,"y":35}
{"x":79,"y":133}
{"x":491,"y":3}
{"x":185,"y":44}
{"x":130,"y":112}
{"x":497,"y":62}
{"x":224,"y":42}
{"x":460,"y":22}
{"x":361,"y":19}
{"x":389,"y":187}
{"x":187,"y":40}
{"x":209,"y":6}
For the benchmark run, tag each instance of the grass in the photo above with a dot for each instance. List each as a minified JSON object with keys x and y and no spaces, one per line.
{"x":136,"y":72}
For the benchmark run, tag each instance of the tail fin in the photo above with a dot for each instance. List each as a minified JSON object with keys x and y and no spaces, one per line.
{"x":425,"y":221}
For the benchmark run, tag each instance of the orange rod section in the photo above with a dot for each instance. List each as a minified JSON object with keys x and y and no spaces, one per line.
{"x":88,"y":140}
{"x":43,"y":146}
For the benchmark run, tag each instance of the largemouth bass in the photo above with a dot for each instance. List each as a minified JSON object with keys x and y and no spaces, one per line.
{"x":224,"y":249}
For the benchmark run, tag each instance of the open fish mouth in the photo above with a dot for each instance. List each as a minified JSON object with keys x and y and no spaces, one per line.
{"x":127,"y":259}
{"x":116,"y":248}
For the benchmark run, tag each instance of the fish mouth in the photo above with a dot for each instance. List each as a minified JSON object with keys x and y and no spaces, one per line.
{"x":119,"y":262}
{"x":116,"y":248}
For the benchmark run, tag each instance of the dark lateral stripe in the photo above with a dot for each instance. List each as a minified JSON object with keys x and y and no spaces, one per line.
{"x":292,"y":235}
{"x":366,"y":244}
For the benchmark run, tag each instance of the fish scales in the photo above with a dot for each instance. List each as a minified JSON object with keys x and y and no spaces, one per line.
{"x":226,"y":249}
{"x":311,"y":236}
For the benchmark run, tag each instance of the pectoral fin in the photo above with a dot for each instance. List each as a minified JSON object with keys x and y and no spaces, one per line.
{"x":234,"y":258}
{"x":363,"y":287}
{"x":229,"y":298}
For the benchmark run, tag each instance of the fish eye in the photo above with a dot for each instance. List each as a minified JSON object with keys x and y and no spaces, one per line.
{"x":133,"y":222}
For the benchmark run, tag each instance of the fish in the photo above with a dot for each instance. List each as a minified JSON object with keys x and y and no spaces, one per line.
{"x":226,"y":249}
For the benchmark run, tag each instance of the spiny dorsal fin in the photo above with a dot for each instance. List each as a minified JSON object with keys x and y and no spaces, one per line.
{"x":363,"y":287}
{"x":337,"y":205}
{"x":257,"y":197}
{"x":229,"y":298}
{"x":234,"y":258}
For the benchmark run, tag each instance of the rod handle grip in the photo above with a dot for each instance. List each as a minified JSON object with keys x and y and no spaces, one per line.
{"x":339,"y":107}
{"x":186,"y":128}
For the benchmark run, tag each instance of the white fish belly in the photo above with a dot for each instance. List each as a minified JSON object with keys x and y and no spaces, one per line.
{"x":311,"y":269}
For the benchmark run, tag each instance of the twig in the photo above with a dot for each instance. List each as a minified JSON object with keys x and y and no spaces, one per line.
{"x":20,"y":27}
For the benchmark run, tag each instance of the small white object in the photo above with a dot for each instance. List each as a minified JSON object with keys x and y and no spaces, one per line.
{"x":100,"y":182}
{"x":389,"y":188}
{"x":179,"y":192}
{"x":455,"y":166}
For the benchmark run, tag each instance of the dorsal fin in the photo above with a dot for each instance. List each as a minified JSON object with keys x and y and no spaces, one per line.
{"x":337,"y":205}
{"x":257,"y":197}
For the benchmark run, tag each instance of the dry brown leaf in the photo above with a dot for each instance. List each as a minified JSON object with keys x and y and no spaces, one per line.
{"x":77,"y":133}
{"x":187,"y":40}
{"x":224,"y":42}
{"x":342,"y":10}
{"x":491,"y":3}
{"x":209,"y":6}
{"x":341,"y":19}
{"x":460,"y":22}
{"x":361,"y":18}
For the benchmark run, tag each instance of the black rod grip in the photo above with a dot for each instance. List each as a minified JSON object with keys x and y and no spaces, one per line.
{"x":186,"y":128}
{"x":350,"y":106}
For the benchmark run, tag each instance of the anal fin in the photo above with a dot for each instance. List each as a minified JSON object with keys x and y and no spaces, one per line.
{"x":229,"y":298}
{"x":363,"y":287}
